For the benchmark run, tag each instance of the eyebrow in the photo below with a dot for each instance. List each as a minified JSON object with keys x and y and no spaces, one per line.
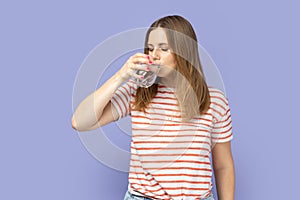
{"x":160,"y":44}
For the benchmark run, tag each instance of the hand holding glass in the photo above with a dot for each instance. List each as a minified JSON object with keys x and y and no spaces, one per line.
{"x":149,"y":76}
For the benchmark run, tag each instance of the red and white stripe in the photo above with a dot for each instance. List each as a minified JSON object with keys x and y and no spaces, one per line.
{"x":171,"y":159}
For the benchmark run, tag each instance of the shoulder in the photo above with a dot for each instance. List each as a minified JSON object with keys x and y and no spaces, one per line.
{"x":219,"y":101}
{"x":217,"y":95}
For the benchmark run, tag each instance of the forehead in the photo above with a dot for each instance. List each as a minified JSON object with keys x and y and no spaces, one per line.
{"x":157,"y":36}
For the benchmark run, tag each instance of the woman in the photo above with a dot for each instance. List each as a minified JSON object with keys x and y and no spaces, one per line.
{"x":178,"y":123}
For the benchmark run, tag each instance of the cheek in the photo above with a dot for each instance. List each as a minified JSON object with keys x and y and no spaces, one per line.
{"x":169,"y":61}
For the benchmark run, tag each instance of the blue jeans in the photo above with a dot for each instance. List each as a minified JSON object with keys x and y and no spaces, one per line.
{"x":129,"y":196}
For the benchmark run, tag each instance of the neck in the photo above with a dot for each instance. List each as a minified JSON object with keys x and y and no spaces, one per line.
{"x":169,"y":80}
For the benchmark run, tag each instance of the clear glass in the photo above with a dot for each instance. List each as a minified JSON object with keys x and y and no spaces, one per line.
{"x":149,"y":76}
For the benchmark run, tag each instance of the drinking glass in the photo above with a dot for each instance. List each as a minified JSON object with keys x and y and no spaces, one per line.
{"x":149,"y":76}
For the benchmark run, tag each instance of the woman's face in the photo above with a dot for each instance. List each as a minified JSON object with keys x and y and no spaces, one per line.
{"x":160,"y":52}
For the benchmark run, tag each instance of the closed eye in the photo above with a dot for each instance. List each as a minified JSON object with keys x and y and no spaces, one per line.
{"x":164,"y":49}
{"x":150,"y":48}
{"x":160,"y":48}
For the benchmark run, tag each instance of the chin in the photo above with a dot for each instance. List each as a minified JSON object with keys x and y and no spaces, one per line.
{"x":164,"y":72}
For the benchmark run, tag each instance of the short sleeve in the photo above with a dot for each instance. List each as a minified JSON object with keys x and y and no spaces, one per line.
{"x":121,"y":99}
{"x":222,"y":125}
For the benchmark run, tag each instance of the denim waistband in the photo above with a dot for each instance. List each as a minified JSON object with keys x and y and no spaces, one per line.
{"x":140,"y":197}
{"x":137,"y":197}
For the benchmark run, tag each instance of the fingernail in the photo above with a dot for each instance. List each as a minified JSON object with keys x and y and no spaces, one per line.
{"x":150,"y":62}
{"x":148,"y":68}
{"x":148,"y":56}
{"x":142,"y":77}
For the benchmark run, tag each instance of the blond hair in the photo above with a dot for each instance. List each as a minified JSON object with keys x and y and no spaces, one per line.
{"x":191,"y":88}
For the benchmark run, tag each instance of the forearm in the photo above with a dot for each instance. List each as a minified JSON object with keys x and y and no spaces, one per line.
{"x":91,"y":108}
{"x":225,"y":181}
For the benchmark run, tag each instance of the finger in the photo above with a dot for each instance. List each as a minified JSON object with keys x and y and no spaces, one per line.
{"x":141,"y":66}
{"x":141,"y":60}
{"x":141,"y":56}
{"x":135,"y":75}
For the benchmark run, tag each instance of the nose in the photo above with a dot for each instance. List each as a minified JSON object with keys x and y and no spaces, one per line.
{"x":155,"y":54}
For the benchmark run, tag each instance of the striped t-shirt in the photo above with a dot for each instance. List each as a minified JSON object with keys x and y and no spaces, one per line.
{"x":170,"y":159}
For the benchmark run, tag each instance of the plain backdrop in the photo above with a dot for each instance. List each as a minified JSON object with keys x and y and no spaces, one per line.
{"x":255,"y":45}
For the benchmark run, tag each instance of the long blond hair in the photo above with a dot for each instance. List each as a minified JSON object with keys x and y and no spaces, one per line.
{"x":191,"y":88}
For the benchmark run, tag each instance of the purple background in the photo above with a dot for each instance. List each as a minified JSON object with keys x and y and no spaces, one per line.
{"x":255,"y":45}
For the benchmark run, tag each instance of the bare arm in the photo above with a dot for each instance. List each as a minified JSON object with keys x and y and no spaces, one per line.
{"x":224,"y":170}
{"x":96,"y":109}
{"x":88,"y":114}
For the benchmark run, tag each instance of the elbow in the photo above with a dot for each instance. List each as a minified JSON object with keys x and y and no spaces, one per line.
{"x":79,"y":128}
{"x":74,"y":124}
{"x":229,"y":165}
